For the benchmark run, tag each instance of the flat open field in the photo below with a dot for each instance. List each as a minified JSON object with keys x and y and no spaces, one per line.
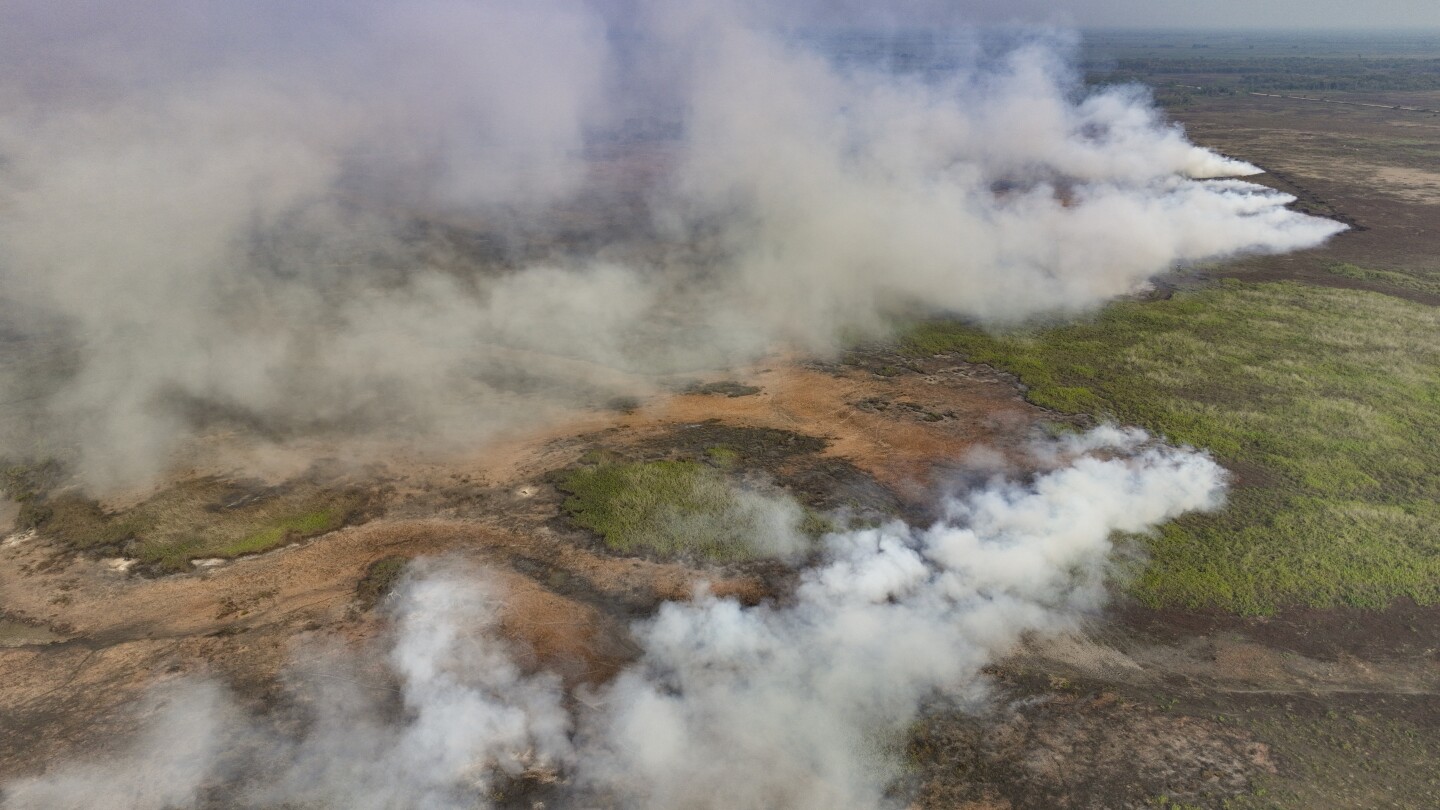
{"x":1285,"y":367}
{"x":1377,"y":168}
{"x":1282,"y":653}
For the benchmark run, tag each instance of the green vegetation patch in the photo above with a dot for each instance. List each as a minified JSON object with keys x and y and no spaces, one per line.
{"x":1406,"y":281}
{"x":675,"y":509}
{"x":380,"y":579}
{"x":1325,"y":402}
{"x":204,"y":517}
{"x":722,"y":456}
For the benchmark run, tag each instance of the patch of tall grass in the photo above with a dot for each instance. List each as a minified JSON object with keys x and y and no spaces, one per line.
{"x":1325,"y":402}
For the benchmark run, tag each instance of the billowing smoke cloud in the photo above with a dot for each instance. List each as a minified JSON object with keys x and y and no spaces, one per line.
{"x":438,"y":218}
{"x":798,"y":704}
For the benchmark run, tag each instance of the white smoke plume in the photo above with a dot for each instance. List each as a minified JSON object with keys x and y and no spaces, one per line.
{"x":797,"y":704}
{"x":438,"y":218}
{"x":790,"y":705}
{"x":188,"y":726}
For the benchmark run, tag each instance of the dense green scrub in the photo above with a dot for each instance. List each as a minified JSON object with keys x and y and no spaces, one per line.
{"x":1325,"y":403}
{"x":686,"y":509}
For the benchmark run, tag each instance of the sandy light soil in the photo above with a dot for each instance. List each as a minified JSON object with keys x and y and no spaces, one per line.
{"x":84,"y":637}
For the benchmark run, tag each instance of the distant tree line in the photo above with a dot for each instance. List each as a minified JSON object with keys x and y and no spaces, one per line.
{"x":1276,"y":73}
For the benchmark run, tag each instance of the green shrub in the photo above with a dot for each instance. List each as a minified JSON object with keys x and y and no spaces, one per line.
{"x":1326,"y":401}
{"x":677,"y":509}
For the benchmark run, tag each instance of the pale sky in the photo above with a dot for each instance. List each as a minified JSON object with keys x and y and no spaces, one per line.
{"x":1293,"y":15}
{"x":1271,"y":14}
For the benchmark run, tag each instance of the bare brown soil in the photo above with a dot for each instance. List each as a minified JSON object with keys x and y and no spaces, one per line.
{"x":86,"y":636}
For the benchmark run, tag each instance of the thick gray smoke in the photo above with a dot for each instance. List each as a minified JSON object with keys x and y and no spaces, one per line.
{"x":440,"y":218}
{"x":799,"y":704}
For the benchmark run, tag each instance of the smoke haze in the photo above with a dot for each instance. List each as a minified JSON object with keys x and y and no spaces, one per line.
{"x":439,"y":219}
{"x":794,"y":704}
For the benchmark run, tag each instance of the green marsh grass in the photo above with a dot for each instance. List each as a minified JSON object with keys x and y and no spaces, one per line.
{"x":1325,"y":402}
